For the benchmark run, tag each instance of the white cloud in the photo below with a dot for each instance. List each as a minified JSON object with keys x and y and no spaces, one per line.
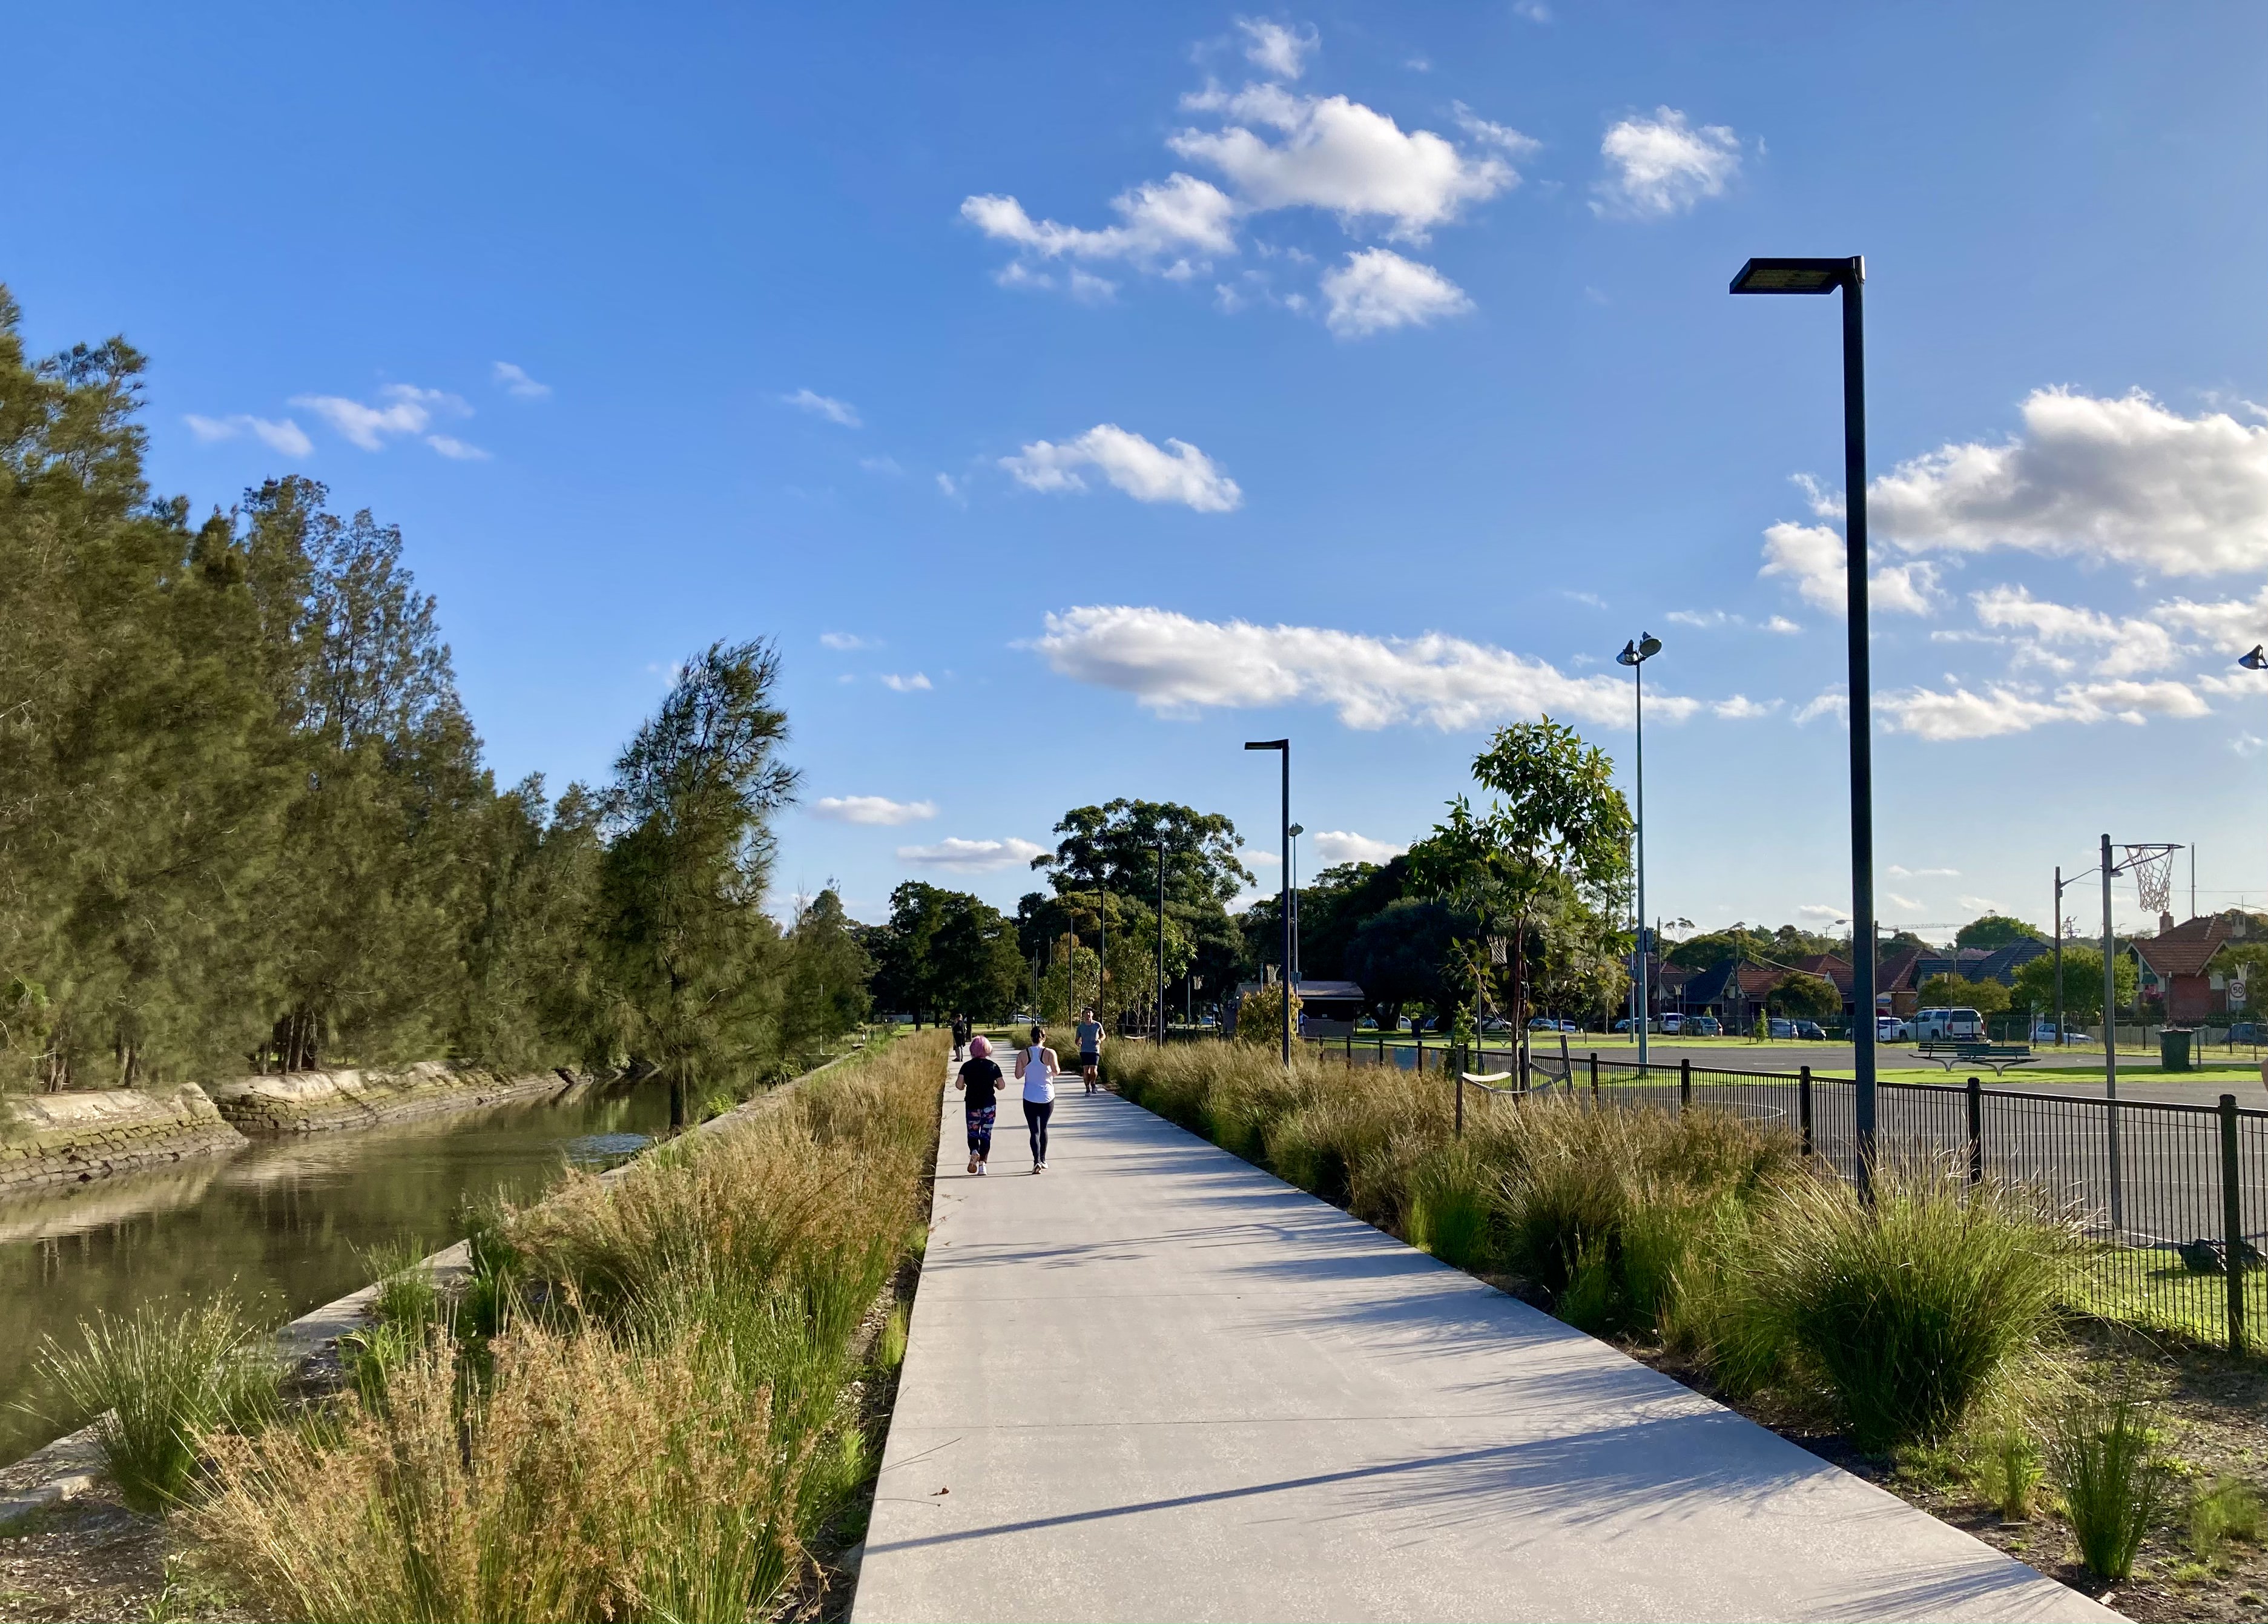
{"x":845,"y":642}
{"x":1780,"y":625}
{"x":1377,"y":291}
{"x":1278,"y":52}
{"x":1264,"y":860}
{"x":1663,"y":165}
{"x":878,"y":810}
{"x":960,"y":856}
{"x":1982,"y":904}
{"x":284,"y":436}
{"x":1825,"y":912}
{"x":949,"y":486}
{"x":1835,"y":704}
{"x":1504,"y":137}
{"x":824,"y":406}
{"x":1898,"y":871}
{"x":2003,"y":708}
{"x":515,"y":381}
{"x":1740,"y":707}
{"x":1159,"y":221}
{"x":1813,"y":556}
{"x":1534,"y":10}
{"x":917,"y":683}
{"x":2129,"y":647}
{"x":1908,"y":903}
{"x":456,"y":450}
{"x":408,"y":410}
{"x":1340,"y":156}
{"x":1711,"y":620}
{"x":1143,"y":471}
{"x":1340,"y":846}
{"x":1176,"y":665}
{"x":2124,"y":480}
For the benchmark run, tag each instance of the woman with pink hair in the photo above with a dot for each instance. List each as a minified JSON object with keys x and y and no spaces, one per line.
{"x":980,"y":1081}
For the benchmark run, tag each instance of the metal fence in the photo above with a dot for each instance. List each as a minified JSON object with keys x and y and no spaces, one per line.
{"x":2173,"y":1197}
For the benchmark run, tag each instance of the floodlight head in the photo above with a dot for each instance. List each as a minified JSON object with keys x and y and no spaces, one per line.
{"x":1648,"y":646}
{"x":1629,"y":656}
{"x":1797,"y":276}
{"x":1266,"y":745}
{"x":2256,"y":660}
{"x":1296,"y":830}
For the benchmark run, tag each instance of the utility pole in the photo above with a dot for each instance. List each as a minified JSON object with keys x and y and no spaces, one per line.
{"x":1161,"y":942}
{"x":2055,"y":924}
{"x":2110,"y":1041}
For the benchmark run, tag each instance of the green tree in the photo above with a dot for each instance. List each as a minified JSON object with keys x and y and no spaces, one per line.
{"x":1995,"y":930}
{"x":1260,"y":1017}
{"x":1986,"y":997}
{"x":1807,"y":997}
{"x":828,"y":971}
{"x":2082,"y":983}
{"x":1400,"y":956}
{"x":691,"y":961}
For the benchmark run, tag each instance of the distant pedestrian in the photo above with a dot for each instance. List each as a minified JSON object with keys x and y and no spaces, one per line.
{"x":1089,"y":1033}
{"x":1036,"y":1069}
{"x":961,"y":1037}
{"x":981,"y":1080}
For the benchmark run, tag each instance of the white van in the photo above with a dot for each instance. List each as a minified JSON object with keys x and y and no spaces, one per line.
{"x":1964,"y":1026}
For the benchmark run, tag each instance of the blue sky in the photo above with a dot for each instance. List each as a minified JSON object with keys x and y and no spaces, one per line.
{"x":1076,"y":394}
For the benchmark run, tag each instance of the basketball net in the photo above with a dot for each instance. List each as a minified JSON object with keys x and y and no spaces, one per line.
{"x":2152,"y":868}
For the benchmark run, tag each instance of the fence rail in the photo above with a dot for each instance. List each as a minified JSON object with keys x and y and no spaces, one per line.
{"x":2173,"y":1196}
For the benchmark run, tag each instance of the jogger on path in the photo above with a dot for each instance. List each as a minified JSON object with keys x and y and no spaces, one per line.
{"x":1036,"y":1069}
{"x":979,"y":1079}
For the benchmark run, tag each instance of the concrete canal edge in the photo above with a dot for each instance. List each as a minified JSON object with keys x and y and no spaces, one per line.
{"x":72,"y":1466}
{"x":50,"y":1139}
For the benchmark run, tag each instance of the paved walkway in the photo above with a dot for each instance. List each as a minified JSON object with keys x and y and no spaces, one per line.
{"x":1155,"y":1382}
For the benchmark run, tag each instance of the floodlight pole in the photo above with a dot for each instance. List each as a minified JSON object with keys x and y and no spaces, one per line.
{"x":2110,"y":1043}
{"x":1825,"y":275}
{"x":1161,"y":942}
{"x":1283,"y":896}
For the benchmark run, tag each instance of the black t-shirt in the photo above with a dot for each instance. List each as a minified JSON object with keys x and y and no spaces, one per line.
{"x":983,"y":1080}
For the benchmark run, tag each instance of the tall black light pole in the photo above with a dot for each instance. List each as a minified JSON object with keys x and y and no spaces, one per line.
{"x":1825,"y":275}
{"x":1634,"y":654}
{"x":1297,"y":831}
{"x":1161,"y":942}
{"x":1284,"y":897}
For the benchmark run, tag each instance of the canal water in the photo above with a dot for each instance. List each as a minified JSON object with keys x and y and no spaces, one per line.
{"x":284,"y":1225}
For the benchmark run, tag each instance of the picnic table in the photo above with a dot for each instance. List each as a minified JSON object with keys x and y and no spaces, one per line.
{"x":1952,"y":1052}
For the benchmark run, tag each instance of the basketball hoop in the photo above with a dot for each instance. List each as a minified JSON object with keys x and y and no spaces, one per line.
{"x":2153,"y":868}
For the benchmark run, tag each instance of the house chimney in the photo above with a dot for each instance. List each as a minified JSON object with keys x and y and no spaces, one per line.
{"x":2165,"y":924}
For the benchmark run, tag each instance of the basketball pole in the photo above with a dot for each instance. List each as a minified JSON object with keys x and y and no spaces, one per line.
{"x":2111,"y":1042}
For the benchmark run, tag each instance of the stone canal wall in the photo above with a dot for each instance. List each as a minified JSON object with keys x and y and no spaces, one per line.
{"x":318,"y":1101}
{"x":47,"y":1140}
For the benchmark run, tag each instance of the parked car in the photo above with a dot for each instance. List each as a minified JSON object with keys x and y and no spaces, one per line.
{"x":1496,"y":1023}
{"x":2044,"y":1032}
{"x":2241,"y":1032}
{"x":1811,"y":1030}
{"x":1671,"y":1025}
{"x":1703,"y":1026}
{"x":1546,"y":1023}
{"x":1890,"y":1029}
{"x":1778,"y":1026}
{"x":1949,"y":1026}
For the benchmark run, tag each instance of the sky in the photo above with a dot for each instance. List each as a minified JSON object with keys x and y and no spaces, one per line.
{"x":1075,"y":393}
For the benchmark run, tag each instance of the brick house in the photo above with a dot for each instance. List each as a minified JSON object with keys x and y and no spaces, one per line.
{"x":2184,"y":970}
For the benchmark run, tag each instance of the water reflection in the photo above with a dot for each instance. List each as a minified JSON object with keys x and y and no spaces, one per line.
{"x":281,"y":1223}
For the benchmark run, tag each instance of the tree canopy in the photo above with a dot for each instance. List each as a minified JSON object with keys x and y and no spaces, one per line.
{"x":1995,"y":930}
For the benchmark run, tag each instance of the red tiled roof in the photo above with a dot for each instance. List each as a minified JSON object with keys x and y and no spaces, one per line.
{"x":2169,"y":958}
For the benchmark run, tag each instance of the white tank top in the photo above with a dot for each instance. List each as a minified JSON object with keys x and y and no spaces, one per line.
{"x":1039,"y":1082}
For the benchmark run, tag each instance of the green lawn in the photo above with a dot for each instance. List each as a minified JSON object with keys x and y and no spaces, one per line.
{"x":2153,"y":1290}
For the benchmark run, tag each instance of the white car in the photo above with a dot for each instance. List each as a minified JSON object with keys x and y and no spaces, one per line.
{"x":1890,"y":1029}
{"x":1950,"y":1026}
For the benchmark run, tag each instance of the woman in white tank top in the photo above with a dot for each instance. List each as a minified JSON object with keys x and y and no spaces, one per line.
{"x":1036,"y":1069}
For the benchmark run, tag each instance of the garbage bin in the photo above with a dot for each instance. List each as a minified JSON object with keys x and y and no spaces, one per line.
{"x":2174,"y":1049}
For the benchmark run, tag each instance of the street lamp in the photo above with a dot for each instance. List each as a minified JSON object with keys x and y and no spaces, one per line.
{"x":1161,"y":942}
{"x":1825,"y":275}
{"x":1284,"y":897}
{"x":1635,"y":654}
{"x":1297,"y":831}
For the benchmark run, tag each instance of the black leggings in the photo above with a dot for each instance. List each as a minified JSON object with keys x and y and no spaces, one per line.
{"x":1035,"y":1121}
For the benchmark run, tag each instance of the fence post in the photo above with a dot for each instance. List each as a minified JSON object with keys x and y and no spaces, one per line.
{"x":1595,"y":1076}
{"x":1421,"y":1054}
{"x":1381,"y":1045}
{"x":1803,"y":1107}
{"x":1975,"y":1131}
{"x":2232,"y":1222}
{"x":1685,"y":1084}
{"x":1459,"y":1072}
{"x":1350,"y":1045}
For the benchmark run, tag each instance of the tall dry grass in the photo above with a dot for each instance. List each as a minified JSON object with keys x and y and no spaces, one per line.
{"x":659,"y":1422}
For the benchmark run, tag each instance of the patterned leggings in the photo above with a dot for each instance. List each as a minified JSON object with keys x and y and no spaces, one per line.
{"x":980,"y":1130}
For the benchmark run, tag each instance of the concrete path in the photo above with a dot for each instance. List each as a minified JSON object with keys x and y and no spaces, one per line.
{"x":1155,"y":1382}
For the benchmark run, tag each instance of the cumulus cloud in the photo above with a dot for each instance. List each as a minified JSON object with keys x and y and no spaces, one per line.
{"x":407,"y":410}
{"x":1377,"y":291}
{"x":1504,"y":137}
{"x":959,"y":856}
{"x":2231,"y":624}
{"x":825,"y":406}
{"x":514,"y":381}
{"x":1341,"y":846}
{"x":1280,"y":52}
{"x":1740,"y":707}
{"x":2122,"y":480}
{"x":1338,"y":155}
{"x":1178,"y":472}
{"x":2126,"y":646}
{"x":1663,"y":165}
{"x":1959,"y":713}
{"x":1825,"y":912}
{"x":917,"y":683}
{"x":878,"y":810}
{"x":1177,"y":665}
{"x":845,"y":642}
{"x":1813,"y":556}
{"x":284,"y":436}
{"x":1711,"y":620}
{"x":1159,"y":221}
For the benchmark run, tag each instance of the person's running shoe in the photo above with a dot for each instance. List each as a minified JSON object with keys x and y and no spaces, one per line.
{"x":980,"y":1170}
{"x":972,"y":1164}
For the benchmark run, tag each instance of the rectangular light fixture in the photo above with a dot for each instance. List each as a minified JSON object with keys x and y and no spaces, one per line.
{"x":1786,"y":275}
